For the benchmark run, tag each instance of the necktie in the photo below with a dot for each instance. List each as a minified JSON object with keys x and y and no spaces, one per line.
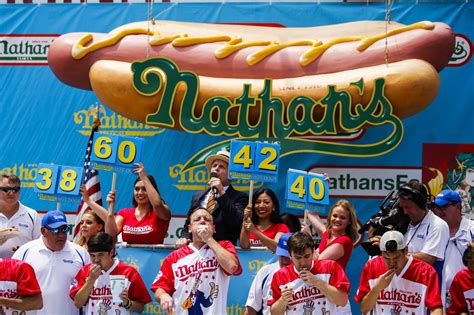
{"x":211,"y":203}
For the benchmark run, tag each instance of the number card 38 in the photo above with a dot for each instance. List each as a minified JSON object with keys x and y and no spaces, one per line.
{"x":58,"y":179}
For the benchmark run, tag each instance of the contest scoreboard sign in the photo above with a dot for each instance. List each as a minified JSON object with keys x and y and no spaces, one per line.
{"x":58,"y":179}
{"x":254,"y":161}
{"x":306,"y":190}
{"x":116,"y":153}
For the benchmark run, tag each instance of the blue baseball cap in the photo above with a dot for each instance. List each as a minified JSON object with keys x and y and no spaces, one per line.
{"x":54,"y":219}
{"x":447,"y":196}
{"x":282,"y":246}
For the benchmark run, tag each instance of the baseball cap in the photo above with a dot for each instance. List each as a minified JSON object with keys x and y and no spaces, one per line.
{"x":395,"y":236}
{"x":282,"y":246}
{"x":54,"y":219}
{"x":447,"y":196}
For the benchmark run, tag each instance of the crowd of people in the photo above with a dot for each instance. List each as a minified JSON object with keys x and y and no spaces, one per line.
{"x":430,"y":267}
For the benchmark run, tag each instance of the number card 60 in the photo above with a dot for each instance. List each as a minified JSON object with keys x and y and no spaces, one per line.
{"x":116,"y":150}
{"x":58,"y":179}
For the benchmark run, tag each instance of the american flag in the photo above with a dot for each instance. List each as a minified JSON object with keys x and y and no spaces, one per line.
{"x":91,"y":180}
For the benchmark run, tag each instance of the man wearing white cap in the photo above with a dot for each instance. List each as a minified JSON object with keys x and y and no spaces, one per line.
{"x":221,"y":200}
{"x":448,"y":206}
{"x":56,"y":262}
{"x":260,"y":291}
{"x":396,"y":283}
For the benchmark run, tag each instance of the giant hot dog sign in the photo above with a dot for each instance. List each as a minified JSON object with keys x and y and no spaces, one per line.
{"x":300,"y":85}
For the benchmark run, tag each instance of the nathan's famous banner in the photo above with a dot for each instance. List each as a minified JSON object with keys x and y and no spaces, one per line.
{"x":371,"y":103}
{"x":148,"y":263}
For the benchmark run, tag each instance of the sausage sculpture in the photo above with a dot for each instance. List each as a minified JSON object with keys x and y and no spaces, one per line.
{"x":171,"y":73}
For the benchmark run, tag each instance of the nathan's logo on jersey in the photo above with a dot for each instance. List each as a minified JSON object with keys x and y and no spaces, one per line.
{"x":207,"y":264}
{"x":305,"y":294}
{"x":196,"y":178}
{"x":25,"y":172}
{"x":409,"y":299}
{"x":137,"y":229}
{"x":103,"y":291}
{"x":112,"y":123}
{"x":9,"y":293}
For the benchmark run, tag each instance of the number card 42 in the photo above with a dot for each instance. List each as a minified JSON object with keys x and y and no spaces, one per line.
{"x":58,"y":179}
{"x":254,"y":160}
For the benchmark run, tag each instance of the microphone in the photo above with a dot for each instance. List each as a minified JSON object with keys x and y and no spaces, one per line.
{"x":214,"y":189}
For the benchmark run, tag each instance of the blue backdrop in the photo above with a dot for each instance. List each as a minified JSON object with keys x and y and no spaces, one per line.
{"x":45,"y":121}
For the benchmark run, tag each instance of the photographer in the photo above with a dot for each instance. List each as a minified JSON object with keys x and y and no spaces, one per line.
{"x":426,"y":234}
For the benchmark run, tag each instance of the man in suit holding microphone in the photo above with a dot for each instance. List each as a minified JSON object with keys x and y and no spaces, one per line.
{"x":221,"y":200}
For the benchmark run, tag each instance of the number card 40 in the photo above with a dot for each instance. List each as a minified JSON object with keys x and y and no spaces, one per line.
{"x":58,"y":179}
{"x":306,"y":190}
{"x":254,"y":160}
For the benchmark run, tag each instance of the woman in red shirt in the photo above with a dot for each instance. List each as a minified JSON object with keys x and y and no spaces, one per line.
{"x":262,"y":224}
{"x":147,"y":222}
{"x":339,"y":234}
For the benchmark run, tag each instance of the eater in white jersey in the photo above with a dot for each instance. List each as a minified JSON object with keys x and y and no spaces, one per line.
{"x":107,"y":286}
{"x":461,"y":292}
{"x":308,"y":286}
{"x":19,"y":289}
{"x":195,"y":278}
{"x":396,"y":283}
{"x":56,"y":262}
{"x":23,"y":223}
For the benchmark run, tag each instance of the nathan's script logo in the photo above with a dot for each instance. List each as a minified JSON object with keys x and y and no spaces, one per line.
{"x":112,"y":123}
{"x":290,"y":123}
{"x":462,"y":51}
{"x":25,"y":49}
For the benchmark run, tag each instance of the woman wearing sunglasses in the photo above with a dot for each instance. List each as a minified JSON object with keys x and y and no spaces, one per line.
{"x":147,"y":221}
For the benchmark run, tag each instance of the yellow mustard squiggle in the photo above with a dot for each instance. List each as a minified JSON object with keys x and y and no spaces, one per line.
{"x":233,"y":44}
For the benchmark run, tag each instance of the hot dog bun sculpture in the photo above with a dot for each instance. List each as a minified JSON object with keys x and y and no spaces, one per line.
{"x":236,"y":62}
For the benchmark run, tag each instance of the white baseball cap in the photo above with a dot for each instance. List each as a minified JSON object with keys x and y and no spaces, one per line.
{"x":395,"y":236}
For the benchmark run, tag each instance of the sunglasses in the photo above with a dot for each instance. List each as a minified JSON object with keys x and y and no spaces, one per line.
{"x":62,"y":229}
{"x":10,"y":189}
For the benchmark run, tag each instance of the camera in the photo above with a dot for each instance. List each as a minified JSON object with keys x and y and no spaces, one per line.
{"x":389,"y":218}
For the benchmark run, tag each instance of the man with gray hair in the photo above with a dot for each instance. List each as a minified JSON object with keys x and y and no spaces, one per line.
{"x":396,"y":283}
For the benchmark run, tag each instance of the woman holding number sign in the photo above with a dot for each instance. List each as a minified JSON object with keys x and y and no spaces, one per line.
{"x":147,"y":222}
{"x":338,"y":235}
{"x":262,"y":224}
